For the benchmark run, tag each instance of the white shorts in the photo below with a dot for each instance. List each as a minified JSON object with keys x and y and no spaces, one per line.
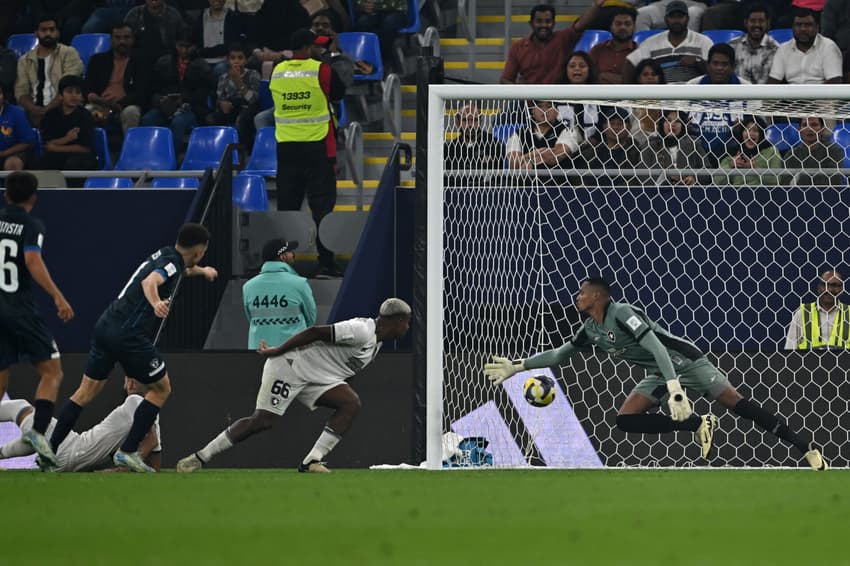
{"x":281,"y":385}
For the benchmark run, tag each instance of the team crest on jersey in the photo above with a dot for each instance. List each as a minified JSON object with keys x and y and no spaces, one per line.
{"x":154,"y":363}
{"x":275,"y":401}
{"x":611,"y":336}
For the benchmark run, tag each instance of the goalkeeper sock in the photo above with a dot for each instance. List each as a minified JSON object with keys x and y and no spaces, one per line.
{"x":216,"y":446}
{"x":771,"y":423}
{"x":325,"y":443}
{"x":656,"y":423}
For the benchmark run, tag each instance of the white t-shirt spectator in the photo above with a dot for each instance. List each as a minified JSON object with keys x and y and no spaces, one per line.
{"x":820,"y":63}
{"x":566,"y":137}
{"x":676,"y":70}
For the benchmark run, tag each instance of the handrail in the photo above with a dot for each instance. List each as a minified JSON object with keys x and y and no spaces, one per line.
{"x":509,"y":10}
{"x":354,"y":157}
{"x":467,"y":12}
{"x":391,"y":99}
{"x":431,"y":38}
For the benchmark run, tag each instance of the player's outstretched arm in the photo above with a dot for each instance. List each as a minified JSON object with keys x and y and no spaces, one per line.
{"x":303,"y":338}
{"x":209,"y":273}
{"x":501,"y":369}
{"x":680,"y":407}
{"x":150,"y":288}
{"x":38,"y":270}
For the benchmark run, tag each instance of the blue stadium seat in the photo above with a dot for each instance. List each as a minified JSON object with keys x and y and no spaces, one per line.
{"x":263,"y":159}
{"x":783,"y":136}
{"x":20,"y":43}
{"x":147,"y":148}
{"x":643,"y":34}
{"x":249,"y":193}
{"x":206,"y":146}
{"x":38,"y":150}
{"x":591,"y":37}
{"x":722,"y":35}
{"x":413,"y":21}
{"x":87,"y":44}
{"x":503,"y":132}
{"x":366,"y":47}
{"x":841,"y":136}
{"x":781,"y":34}
{"x":342,"y":119}
{"x":101,"y":149}
{"x":175,"y":183}
{"x":108,"y":183}
{"x":266,"y":101}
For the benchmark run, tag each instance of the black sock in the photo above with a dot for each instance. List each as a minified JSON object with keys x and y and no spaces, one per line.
{"x":771,"y":423}
{"x":656,"y":423}
{"x":43,"y":414}
{"x":65,"y":421}
{"x":143,"y":420}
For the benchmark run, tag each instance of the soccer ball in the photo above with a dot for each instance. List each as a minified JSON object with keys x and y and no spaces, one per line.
{"x":539,"y":390}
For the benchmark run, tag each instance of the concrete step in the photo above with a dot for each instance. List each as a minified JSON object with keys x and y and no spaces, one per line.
{"x":493,"y":26}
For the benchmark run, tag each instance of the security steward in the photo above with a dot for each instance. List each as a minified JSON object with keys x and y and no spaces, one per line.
{"x":822,"y":324}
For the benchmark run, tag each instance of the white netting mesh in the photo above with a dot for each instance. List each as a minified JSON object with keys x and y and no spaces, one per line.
{"x":723,"y":260}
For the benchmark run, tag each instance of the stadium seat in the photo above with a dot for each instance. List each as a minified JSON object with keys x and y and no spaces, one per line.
{"x":38,"y":150}
{"x":263,"y":159}
{"x":342,"y":119}
{"x":87,"y":44}
{"x":366,"y":47}
{"x":266,"y":101}
{"x":149,"y":148}
{"x":503,"y":132}
{"x":249,"y":193}
{"x":591,"y":37}
{"x":722,"y":35}
{"x":413,"y":21}
{"x":643,"y":34}
{"x":206,"y":147}
{"x":841,"y":136}
{"x":101,"y":149}
{"x":20,"y":43}
{"x":108,"y":183}
{"x":781,"y":34}
{"x":783,"y":136}
{"x":175,"y":183}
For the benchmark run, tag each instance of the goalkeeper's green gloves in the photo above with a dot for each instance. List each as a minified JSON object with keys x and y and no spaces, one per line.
{"x":680,"y":407}
{"x":501,"y":369}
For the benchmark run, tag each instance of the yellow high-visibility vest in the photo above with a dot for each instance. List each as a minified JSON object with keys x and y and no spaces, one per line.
{"x":301,"y":112}
{"x":810,"y":338}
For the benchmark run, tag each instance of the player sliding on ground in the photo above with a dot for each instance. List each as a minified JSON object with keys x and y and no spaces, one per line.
{"x":626,"y":333}
{"x":313,"y":367}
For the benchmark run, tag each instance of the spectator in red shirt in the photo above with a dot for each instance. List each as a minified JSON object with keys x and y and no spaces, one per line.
{"x":539,"y":58}
{"x":610,"y":55}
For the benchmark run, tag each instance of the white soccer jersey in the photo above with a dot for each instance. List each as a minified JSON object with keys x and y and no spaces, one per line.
{"x":353,"y":347}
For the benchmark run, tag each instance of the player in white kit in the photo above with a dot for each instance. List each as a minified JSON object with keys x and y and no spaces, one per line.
{"x":90,"y":450}
{"x":313,"y":367}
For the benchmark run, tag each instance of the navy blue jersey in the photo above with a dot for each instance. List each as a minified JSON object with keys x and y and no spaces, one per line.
{"x":19,"y":232}
{"x":131,"y":311}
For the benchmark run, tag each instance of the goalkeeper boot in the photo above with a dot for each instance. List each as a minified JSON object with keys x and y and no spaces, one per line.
{"x":314,"y":467}
{"x":131,"y":460}
{"x":815,"y":459}
{"x":42,"y":446}
{"x":705,"y":433}
{"x":190,"y":463}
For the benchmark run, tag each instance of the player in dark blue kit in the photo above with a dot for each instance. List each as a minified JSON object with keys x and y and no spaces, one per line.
{"x":22,"y":331}
{"x":123,"y":334}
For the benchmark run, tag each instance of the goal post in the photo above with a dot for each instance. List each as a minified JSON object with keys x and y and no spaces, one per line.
{"x":719,"y":254}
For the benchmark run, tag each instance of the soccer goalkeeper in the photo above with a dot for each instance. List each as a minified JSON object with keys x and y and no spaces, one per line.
{"x":625,"y":333}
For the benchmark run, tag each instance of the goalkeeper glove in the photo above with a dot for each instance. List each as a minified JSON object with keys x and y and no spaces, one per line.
{"x":501,"y":369}
{"x":680,"y":407}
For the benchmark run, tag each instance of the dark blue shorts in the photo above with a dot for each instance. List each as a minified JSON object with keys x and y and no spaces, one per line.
{"x":25,"y":336}
{"x":136,"y":354}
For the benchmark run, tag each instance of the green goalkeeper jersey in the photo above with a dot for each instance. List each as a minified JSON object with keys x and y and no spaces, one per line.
{"x":626,"y":333}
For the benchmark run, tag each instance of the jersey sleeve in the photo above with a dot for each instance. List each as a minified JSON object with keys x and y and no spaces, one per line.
{"x":33,"y":236}
{"x":354,"y":332}
{"x":631,"y":322}
{"x":166,"y":267}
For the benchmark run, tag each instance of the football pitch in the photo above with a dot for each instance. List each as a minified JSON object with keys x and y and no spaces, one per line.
{"x":417,"y":517}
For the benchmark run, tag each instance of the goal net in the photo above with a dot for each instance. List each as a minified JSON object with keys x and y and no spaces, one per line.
{"x":715,"y":209}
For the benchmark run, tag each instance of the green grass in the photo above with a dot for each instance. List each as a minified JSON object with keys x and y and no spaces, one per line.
{"x":414,"y":517}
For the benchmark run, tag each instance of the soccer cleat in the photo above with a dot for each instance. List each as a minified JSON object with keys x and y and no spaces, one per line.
{"x":815,"y":459}
{"x":42,"y":446}
{"x":705,"y":433}
{"x":314,"y":467}
{"x":43,"y":465}
{"x":133,"y":461}
{"x":190,"y":463}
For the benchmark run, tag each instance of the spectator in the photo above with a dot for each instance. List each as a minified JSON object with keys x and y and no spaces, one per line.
{"x":614,"y":150}
{"x":755,"y":50}
{"x":654,"y":15}
{"x":539,"y":58}
{"x":16,"y":136}
{"x":237,"y":95}
{"x":808,"y":58}
{"x":680,"y":52}
{"x":68,"y":132}
{"x":217,"y":28}
{"x":383,"y":18}
{"x":156,"y":26}
{"x":673,"y":148}
{"x":645,"y":120}
{"x":277,"y":21}
{"x":69,"y":15}
{"x":580,"y":118}
{"x":817,"y":152}
{"x":182,"y":85}
{"x":816,"y":7}
{"x":750,"y":151}
{"x":546,"y":142}
{"x":824,"y":323}
{"x":835,"y":24}
{"x":473,"y":148}
{"x":116,"y":82}
{"x":8,"y":70}
{"x":610,"y":55}
{"x":40,"y":70}
{"x":106,"y":14}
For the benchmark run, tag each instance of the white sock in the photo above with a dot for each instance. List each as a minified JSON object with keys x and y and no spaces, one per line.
{"x":18,"y":447}
{"x":217,"y":445}
{"x":10,"y":409}
{"x":326,"y":442}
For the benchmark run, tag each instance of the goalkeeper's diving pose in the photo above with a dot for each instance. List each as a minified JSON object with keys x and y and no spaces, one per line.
{"x":626,"y":333}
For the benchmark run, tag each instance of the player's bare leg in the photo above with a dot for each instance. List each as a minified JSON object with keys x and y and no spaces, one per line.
{"x":45,"y":396}
{"x":735,"y":402}
{"x":245,"y":427}
{"x":143,"y":419}
{"x":346,"y":404}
